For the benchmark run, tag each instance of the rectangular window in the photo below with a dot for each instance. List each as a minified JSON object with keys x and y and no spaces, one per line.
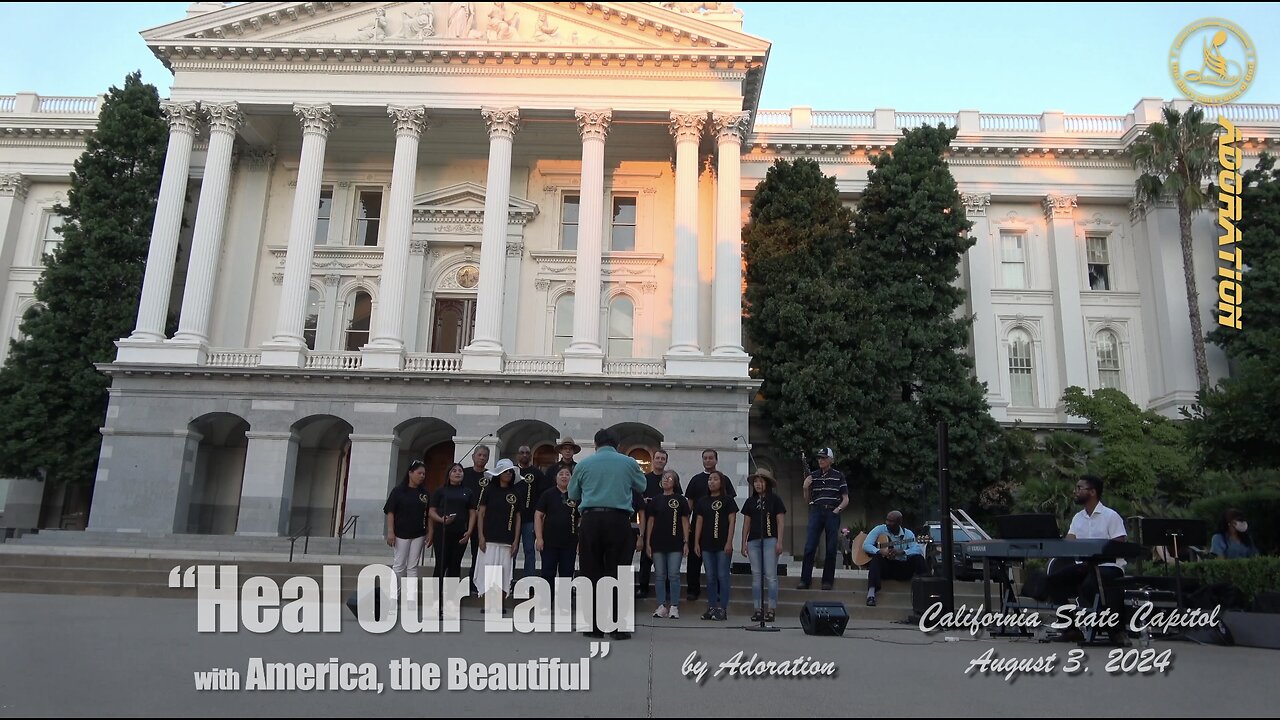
{"x":1013,"y":261}
{"x":623,"y":237}
{"x":368,"y":217}
{"x":51,"y":239}
{"x":569,"y":222}
{"x":313,"y":319}
{"x":1099,"y":263}
{"x":323,"y":214}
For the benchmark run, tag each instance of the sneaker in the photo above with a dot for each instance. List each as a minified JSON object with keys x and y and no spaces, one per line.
{"x":802,"y":586}
{"x":768,"y":616}
{"x":871,"y":601}
{"x":719,"y":614}
{"x":674,"y":613}
{"x":661,"y":612}
{"x":757,"y":616}
{"x":826,"y":586}
{"x":710,"y":614}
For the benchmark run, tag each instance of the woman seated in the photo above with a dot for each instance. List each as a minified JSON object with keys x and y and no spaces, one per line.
{"x":1232,"y":540}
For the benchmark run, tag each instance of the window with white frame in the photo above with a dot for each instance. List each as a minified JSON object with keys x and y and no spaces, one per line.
{"x":50,"y":237}
{"x":1099,"y":262}
{"x":1013,"y":261}
{"x":368,"y":217}
{"x":1109,"y":360}
{"x":562,"y":334}
{"x":1022,"y":384}
{"x":313,"y":318}
{"x":622,"y":236}
{"x":359,"y":311}
{"x":324,"y":213}
{"x":622,"y":313}
{"x":569,"y":208}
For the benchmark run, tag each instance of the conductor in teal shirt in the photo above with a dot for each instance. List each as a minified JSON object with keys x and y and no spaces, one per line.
{"x":602,"y":488}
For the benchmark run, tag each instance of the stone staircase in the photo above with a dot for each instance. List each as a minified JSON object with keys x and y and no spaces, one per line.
{"x":139,"y":564}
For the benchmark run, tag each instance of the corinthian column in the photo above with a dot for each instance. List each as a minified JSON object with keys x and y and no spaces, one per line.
{"x":386,"y":350}
{"x":288,"y":348}
{"x":584,"y":355}
{"x":485,"y":353}
{"x":687,"y":130}
{"x":731,"y":129}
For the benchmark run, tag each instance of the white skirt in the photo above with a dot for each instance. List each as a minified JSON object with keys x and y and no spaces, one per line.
{"x":495,"y":555}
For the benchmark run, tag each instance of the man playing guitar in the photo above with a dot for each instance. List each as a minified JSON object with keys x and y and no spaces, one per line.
{"x":894,"y":552}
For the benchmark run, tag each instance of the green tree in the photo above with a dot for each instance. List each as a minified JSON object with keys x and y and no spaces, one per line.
{"x":1175,"y":158}
{"x":801,"y":307}
{"x":910,"y":354}
{"x":1237,"y":425}
{"x":52,"y":399}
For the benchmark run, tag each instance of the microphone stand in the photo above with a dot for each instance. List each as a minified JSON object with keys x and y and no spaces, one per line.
{"x":473,"y":447}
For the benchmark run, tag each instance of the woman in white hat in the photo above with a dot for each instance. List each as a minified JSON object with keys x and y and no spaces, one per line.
{"x":499,"y":527}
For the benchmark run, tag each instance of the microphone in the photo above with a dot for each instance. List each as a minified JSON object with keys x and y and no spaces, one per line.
{"x":473,"y":447}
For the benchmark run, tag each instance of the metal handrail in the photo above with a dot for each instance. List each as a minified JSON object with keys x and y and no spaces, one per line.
{"x":349,"y":524}
{"x":304,"y":533}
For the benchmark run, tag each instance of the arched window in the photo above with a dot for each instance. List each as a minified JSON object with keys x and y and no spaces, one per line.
{"x":622,"y":312}
{"x":312,"y":321}
{"x":359,"y":311}
{"x":562,"y":335}
{"x":1109,"y":361}
{"x":1022,"y":382}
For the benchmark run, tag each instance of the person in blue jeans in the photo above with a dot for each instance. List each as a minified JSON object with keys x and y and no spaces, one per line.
{"x":667,"y":542}
{"x":555,"y":522}
{"x":530,"y":485}
{"x":827,"y":493}
{"x":762,"y":541}
{"x":716,"y":514}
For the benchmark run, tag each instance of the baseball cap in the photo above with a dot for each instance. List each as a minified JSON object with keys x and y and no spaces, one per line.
{"x":825,"y":452}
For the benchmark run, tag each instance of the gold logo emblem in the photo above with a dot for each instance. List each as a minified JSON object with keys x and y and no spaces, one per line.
{"x":1213,"y":61}
{"x":674,"y":504}
{"x":717,"y":504}
{"x":511,"y":498}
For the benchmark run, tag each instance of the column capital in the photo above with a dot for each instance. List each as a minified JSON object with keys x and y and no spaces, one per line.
{"x":225,"y":117}
{"x":687,"y":126}
{"x":502,"y":122}
{"x":594,"y":124}
{"x":731,"y":127}
{"x":1058,"y":206}
{"x":409,"y":120}
{"x":975,"y":204}
{"x":14,"y":185}
{"x":183,"y":117}
{"x":316,"y":119}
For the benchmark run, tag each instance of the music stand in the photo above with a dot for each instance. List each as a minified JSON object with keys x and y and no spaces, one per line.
{"x":1175,"y":534}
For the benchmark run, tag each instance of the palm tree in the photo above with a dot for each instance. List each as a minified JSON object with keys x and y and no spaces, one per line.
{"x":1175,"y":158}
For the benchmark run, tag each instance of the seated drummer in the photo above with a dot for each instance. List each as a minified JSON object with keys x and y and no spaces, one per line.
{"x":1069,"y":577}
{"x":901,"y":558}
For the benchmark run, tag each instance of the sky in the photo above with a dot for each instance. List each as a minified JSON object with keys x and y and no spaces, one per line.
{"x":1001,"y":58}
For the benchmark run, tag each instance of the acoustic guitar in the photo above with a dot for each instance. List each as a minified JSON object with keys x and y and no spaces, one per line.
{"x":860,"y":556}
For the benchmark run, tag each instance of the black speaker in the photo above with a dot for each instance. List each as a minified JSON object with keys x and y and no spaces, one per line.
{"x":925,"y":591}
{"x":823,"y":618}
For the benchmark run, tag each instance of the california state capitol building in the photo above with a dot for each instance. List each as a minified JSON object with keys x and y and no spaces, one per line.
{"x":391,"y":231}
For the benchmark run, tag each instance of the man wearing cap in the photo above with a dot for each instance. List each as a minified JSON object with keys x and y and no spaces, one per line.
{"x":567,"y":449}
{"x":603,"y":487}
{"x":828,"y":495}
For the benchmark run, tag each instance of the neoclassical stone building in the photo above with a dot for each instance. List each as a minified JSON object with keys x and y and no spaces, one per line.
{"x":396,"y":230}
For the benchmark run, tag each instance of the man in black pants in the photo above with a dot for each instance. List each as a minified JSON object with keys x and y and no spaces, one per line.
{"x":477,"y":481}
{"x":696,"y":491}
{"x":602,"y":487}
{"x":1068,"y":578}
{"x":653,"y":489}
{"x":894,"y":552}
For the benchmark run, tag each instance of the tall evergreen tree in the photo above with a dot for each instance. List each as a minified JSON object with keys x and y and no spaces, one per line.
{"x":52,"y":399}
{"x":1238,"y":423}
{"x":1175,"y":158}
{"x":909,"y":236}
{"x":801,"y":308}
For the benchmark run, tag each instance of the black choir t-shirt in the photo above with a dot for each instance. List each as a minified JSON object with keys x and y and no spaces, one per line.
{"x":501,"y":514}
{"x":560,"y":526}
{"x":531,"y":483}
{"x":763,"y":512}
{"x":698,"y":488}
{"x":410,"y":508}
{"x":458,"y":500}
{"x":715,"y":513}
{"x":477,"y":481}
{"x":666,"y":512}
{"x":653,"y":486}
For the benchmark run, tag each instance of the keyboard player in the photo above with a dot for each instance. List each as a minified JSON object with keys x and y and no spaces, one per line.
{"x":1069,"y":577}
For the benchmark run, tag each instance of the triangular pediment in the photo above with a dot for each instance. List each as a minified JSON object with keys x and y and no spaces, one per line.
{"x":465,"y":202}
{"x":248,"y":28}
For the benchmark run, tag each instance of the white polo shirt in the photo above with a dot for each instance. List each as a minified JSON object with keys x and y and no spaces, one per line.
{"x":1103,"y":524}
